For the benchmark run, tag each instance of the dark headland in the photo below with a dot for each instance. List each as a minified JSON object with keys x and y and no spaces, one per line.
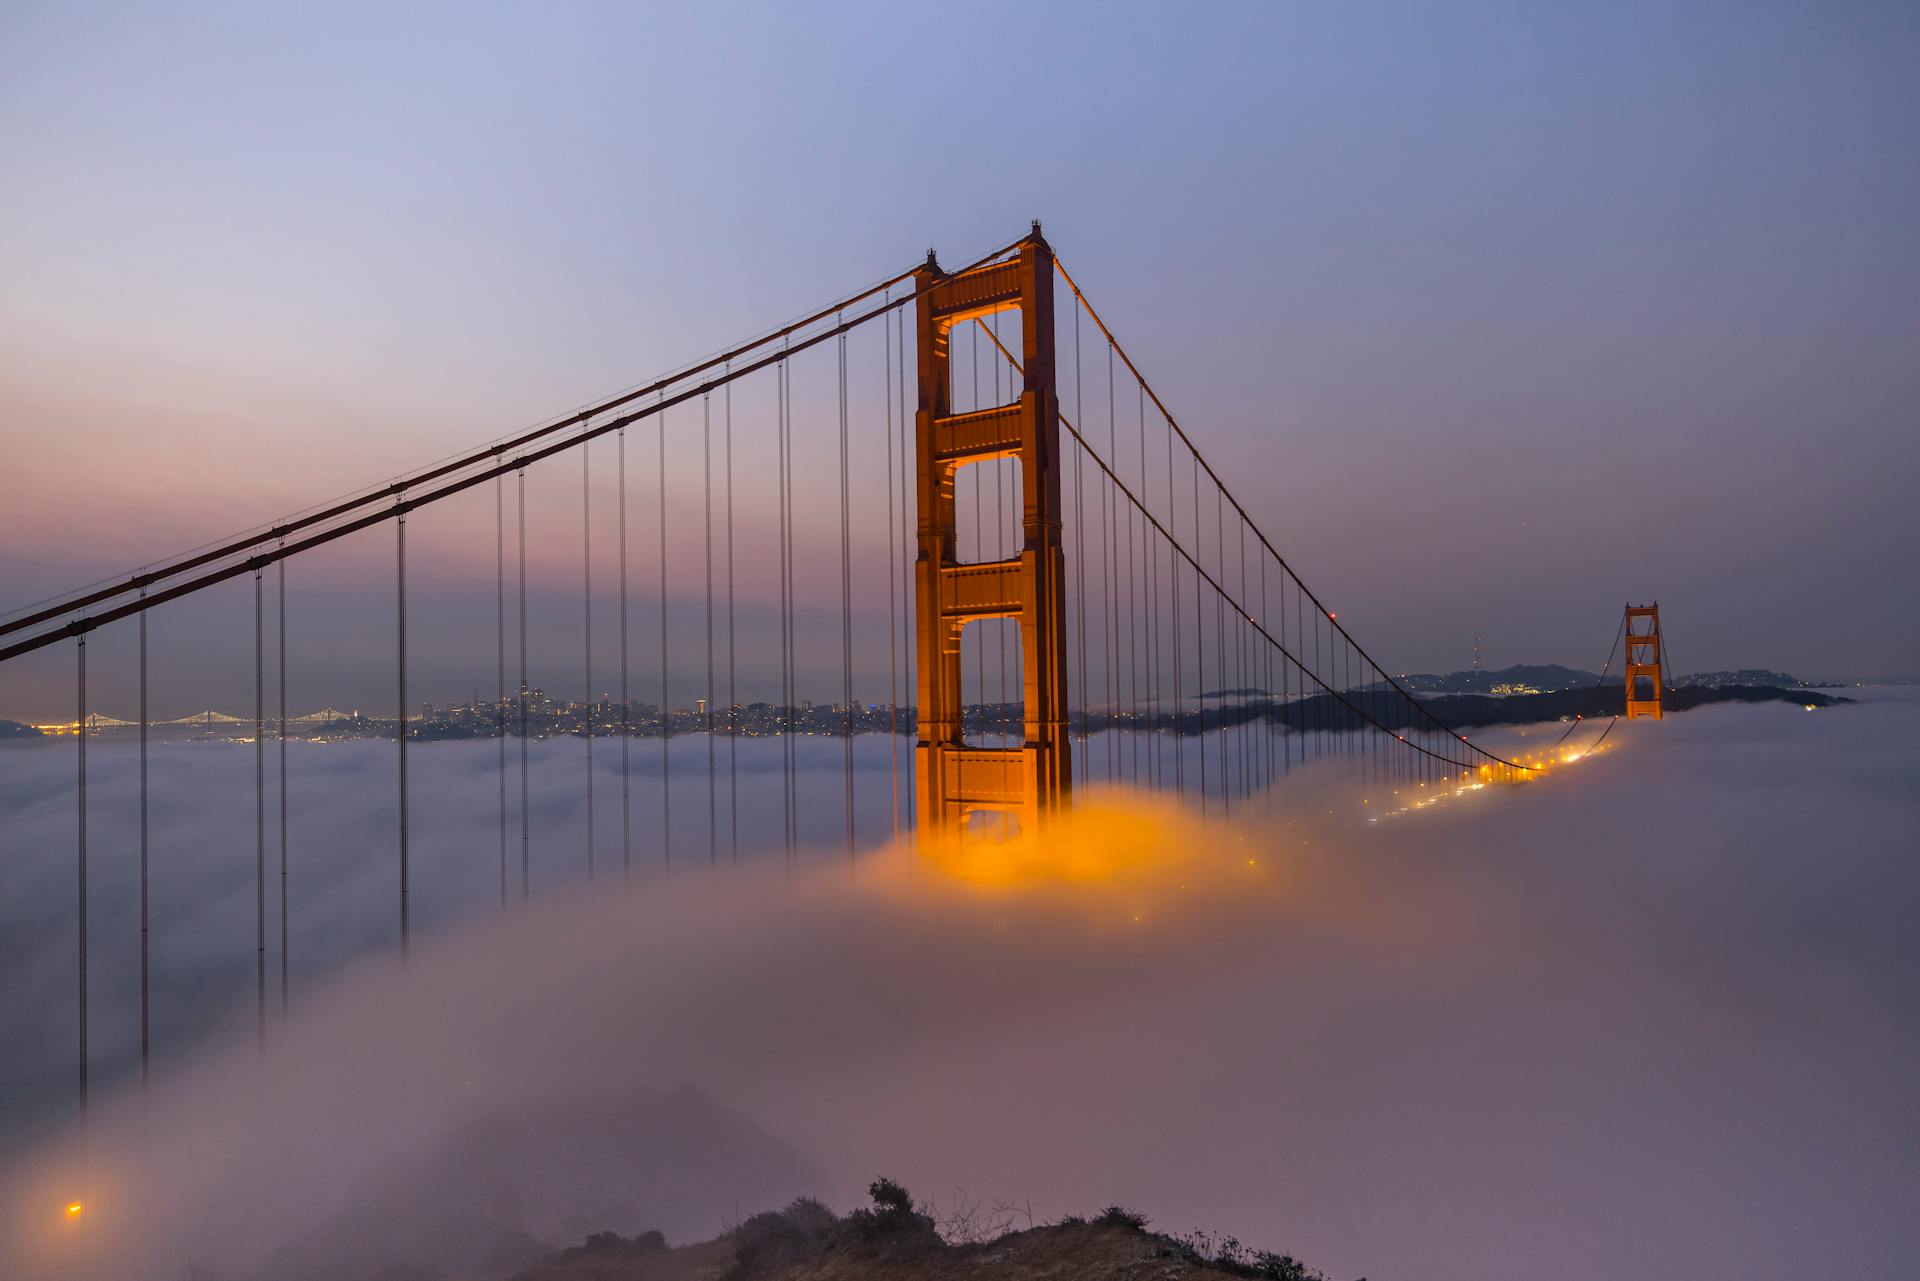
{"x":897,"y":1237}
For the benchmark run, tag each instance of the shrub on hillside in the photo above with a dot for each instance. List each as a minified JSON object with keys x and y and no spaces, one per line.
{"x":777,"y":1240}
{"x":889,"y":1197}
{"x":613,"y":1245}
{"x":1228,"y":1255}
{"x":892,"y":1222}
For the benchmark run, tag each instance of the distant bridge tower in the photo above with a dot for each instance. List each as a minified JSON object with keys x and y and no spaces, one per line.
{"x":1643,"y":660}
{"x":953,"y":778}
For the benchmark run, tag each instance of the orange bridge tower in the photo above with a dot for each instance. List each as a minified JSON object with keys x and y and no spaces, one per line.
{"x":953,"y":778}
{"x":1643,"y":660}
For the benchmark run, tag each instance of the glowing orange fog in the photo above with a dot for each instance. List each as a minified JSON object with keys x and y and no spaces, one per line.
{"x":1088,"y":843}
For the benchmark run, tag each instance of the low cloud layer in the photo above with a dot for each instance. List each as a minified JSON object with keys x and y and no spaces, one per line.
{"x":1652,"y":1016}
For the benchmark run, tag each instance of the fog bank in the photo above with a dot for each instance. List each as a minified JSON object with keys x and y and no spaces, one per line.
{"x":1658,"y":1014}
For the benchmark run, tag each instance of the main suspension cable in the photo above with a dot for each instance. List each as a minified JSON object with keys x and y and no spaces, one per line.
{"x":1258,"y":533}
{"x":505,"y":460}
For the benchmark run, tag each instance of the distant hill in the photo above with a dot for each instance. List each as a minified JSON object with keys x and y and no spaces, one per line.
{"x":1552,"y":678}
{"x":1520,"y":679}
{"x":1758,"y":676}
{"x":1329,"y":712}
{"x":1463,"y":710}
{"x":14,"y":729}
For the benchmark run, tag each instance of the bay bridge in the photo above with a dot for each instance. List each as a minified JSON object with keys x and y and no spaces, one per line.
{"x":1056,"y":588}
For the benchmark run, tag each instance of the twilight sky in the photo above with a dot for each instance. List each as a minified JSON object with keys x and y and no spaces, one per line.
{"x":1496,"y":316}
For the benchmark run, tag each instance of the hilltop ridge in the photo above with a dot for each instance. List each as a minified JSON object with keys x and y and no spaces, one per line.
{"x":897,"y":1238}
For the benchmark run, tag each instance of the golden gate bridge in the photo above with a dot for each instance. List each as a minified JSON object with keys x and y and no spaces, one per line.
{"x":1073,"y":595}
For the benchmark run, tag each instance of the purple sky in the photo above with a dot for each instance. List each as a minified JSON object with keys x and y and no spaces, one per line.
{"x":1496,"y":317}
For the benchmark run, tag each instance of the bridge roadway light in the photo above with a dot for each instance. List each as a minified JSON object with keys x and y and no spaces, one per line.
{"x":73,"y":1209}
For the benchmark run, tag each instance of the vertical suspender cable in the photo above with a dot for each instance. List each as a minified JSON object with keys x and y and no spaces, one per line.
{"x":846,"y":596}
{"x":793,"y":646}
{"x":1173,"y":590}
{"x":733,"y":701}
{"x":1283,"y":731}
{"x":1248,"y":744}
{"x":1345,"y":686}
{"x":706,"y":530}
{"x":80,"y":740}
{"x":260,"y":803}
{"x":626,"y":698}
{"x":1150,"y":556}
{"x":666,"y":714}
{"x":979,"y":553}
{"x":1303,"y":719}
{"x":1266,"y":669}
{"x":500,"y":657}
{"x":1288,"y":730}
{"x":1319,"y":699}
{"x":783,"y":394}
{"x":1250,"y":760}
{"x":1377,"y":710}
{"x":893,"y":617}
{"x":1113,"y":549}
{"x":145,"y":1042}
{"x":1150,"y":606}
{"x":1005,"y":478}
{"x":400,"y":583}
{"x":780,"y":522}
{"x":1199,"y":639}
{"x":1220,"y":643}
{"x":907,"y":534}
{"x":526,"y":880}
{"x":1110,"y":596}
{"x":280,"y":574}
{"x":1351,"y":719}
{"x":1297,"y":723}
{"x":1080,"y":537}
{"x":1258,"y":659}
{"x":1133,"y":625}
{"x":586,"y":618}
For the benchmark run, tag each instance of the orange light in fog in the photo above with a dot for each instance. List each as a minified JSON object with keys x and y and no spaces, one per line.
{"x":73,"y":1209}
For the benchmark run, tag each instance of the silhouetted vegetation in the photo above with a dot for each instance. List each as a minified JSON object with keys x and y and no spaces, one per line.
{"x":889,"y":1197}
{"x":1228,"y":1255}
{"x":896,"y":1236}
{"x":892,"y":1224}
{"x":1118,"y":1216}
{"x":769,"y":1243}
{"x":611,"y":1245}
